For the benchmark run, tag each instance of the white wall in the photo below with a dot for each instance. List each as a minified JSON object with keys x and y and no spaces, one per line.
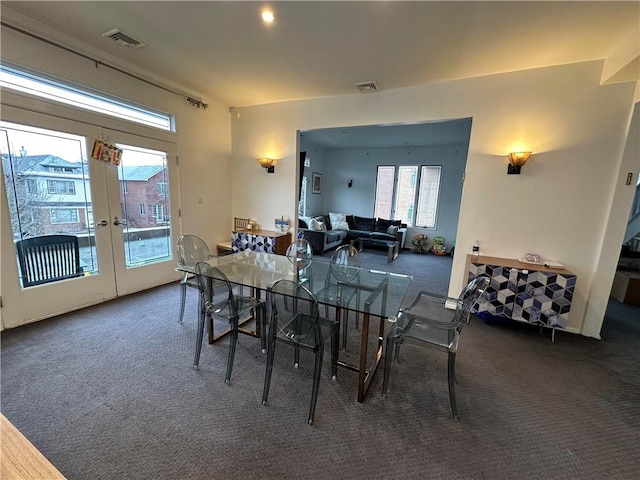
{"x":559,"y":206}
{"x":616,"y":226}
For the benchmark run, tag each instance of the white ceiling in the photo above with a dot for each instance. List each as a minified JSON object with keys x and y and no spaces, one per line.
{"x":223,"y":51}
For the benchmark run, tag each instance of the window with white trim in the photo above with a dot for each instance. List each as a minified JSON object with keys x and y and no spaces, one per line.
{"x":398,"y":198}
{"x":32,"y":185}
{"x":61,"y":187}
{"x":143,"y":209}
{"x":428,"y":196}
{"x":64,"y":215}
{"x":43,"y":87}
{"x":157,"y":211}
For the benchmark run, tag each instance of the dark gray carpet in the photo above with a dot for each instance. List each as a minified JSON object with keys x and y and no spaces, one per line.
{"x":109,"y":393}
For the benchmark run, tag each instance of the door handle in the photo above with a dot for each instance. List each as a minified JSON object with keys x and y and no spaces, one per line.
{"x":102,"y":223}
{"x":118,"y":223}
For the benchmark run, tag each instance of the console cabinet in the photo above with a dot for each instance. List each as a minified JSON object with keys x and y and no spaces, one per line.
{"x":260,"y":241}
{"x":524,"y":292}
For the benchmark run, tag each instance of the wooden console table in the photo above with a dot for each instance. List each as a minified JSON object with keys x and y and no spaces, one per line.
{"x":260,"y":241}
{"x":525,"y":292}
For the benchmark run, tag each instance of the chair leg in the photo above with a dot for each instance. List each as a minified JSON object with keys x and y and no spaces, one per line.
{"x":200,"y":335}
{"x":335,"y":333}
{"x":316,"y":384}
{"x":233,"y":340}
{"x":396,"y":352}
{"x":451,"y":374}
{"x":345,"y":324}
{"x":296,"y":355}
{"x":183,"y":297}
{"x":262,"y":312}
{"x":267,"y":376}
{"x":388,"y":357}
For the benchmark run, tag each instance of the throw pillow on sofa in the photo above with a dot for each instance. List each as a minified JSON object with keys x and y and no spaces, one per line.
{"x":304,"y":222}
{"x":338,"y":221}
{"x":317,"y":225}
{"x":382,"y":225}
{"x":392,"y":230}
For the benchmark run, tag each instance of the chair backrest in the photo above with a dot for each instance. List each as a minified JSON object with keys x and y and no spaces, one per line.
{"x":344,"y":264}
{"x":191,"y":250}
{"x":469,"y":296}
{"x":431,"y":306}
{"x":294,"y":311}
{"x":210,"y":278}
{"x":48,"y":258}
{"x":300,"y":253}
{"x":240,"y":223}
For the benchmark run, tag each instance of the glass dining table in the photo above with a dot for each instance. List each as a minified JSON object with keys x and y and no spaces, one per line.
{"x":379,"y":296}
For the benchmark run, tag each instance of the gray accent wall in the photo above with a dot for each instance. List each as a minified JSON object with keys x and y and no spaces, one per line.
{"x":360,"y":165}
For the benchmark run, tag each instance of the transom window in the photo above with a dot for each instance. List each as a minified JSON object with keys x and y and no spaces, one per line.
{"x":43,"y":87}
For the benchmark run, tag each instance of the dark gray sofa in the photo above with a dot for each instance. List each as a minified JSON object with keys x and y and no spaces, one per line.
{"x":359,"y":227}
{"x":368,"y":228}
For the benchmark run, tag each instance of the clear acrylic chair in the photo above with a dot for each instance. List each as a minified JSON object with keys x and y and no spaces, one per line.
{"x":226,"y":304}
{"x":300,"y":254}
{"x":295,"y":320}
{"x":343,"y":270}
{"x":429,"y":321}
{"x":191,"y":250}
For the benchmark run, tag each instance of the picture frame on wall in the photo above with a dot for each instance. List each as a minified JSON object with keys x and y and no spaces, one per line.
{"x":316,"y":182}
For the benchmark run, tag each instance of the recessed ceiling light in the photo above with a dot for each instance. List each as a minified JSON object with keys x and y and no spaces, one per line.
{"x":267,"y":16}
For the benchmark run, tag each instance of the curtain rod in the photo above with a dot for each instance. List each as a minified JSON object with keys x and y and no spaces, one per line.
{"x":193,"y":101}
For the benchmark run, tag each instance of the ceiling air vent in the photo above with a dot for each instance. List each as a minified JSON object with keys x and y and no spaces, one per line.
{"x":366,"y":87}
{"x":123,"y":39}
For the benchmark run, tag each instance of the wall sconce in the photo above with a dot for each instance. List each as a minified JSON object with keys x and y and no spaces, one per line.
{"x":350,"y":184}
{"x":267,"y":164}
{"x":516,"y":161}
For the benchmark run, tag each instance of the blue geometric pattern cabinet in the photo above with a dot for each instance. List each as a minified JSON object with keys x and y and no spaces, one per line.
{"x":524,"y":292}
{"x":260,"y":241}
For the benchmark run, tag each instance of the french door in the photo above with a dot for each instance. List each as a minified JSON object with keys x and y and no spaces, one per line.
{"x":124,"y":216}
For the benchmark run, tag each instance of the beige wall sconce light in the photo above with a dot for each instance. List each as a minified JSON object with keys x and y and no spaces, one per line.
{"x":516,"y":161}
{"x":267,"y":164}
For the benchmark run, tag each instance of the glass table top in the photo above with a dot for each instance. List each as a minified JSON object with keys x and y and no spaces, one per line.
{"x":378,"y":292}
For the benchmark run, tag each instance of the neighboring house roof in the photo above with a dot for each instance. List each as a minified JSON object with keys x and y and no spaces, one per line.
{"x":139,"y":174}
{"x":39,"y":164}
